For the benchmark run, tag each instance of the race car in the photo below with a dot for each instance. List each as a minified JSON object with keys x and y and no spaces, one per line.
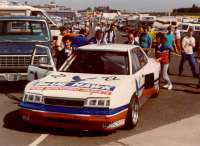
{"x":99,"y":87}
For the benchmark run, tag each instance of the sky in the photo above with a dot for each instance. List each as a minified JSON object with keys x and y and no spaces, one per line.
{"x":132,"y":5}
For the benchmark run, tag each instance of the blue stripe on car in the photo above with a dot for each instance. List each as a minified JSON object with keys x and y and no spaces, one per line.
{"x":72,"y":110}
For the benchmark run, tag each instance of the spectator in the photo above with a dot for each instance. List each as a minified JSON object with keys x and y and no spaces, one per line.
{"x":145,"y":40}
{"x":137,"y":38}
{"x":98,"y":38}
{"x":188,"y":43}
{"x":65,"y":52}
{"x":60,"y":44}
{"x":98,"y":27}
{"x":162,"y":55}
{"x":104,"y":28}
{"x":80,"y":40}
{"x":131,"y":39}
{"x":170,"y":39}
{"x":177,"y":39}
{"x":110,"y":36}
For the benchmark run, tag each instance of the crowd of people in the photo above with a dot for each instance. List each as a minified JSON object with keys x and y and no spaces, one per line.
{"x":162,"y":44}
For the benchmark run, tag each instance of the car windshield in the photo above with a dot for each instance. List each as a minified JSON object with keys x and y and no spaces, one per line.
{"x":23,"y":31}
{"x":99,"y":62}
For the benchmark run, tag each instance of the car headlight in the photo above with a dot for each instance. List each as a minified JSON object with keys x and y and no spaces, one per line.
{"x":97,"y":102}
{"x":34,"y":98}
{"x":43,"y":60}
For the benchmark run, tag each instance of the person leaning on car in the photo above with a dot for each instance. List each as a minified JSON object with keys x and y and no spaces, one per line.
{"x":65,"y":52}
{"x":98,"y":38}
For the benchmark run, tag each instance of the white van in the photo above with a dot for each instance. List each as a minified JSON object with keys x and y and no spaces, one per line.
{"x":184,"y":27}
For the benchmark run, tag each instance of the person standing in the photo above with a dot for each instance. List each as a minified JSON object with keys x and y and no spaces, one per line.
{"x":110,"y":35}
{"x":97,"y":39}
{"x":131,"y":39}
{"x":162,"y":55}
{"x":98,"y":27}
{"x":145,"y":40}
{"x":170,"y":39}
{"x":65,"y":52}
{"x":188,"y":43}
{"x":177,"y":34}
{"x":63,"y":31}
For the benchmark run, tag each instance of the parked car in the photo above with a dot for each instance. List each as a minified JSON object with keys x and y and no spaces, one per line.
{"x":19,"y":35}
{"x":99,"y":87}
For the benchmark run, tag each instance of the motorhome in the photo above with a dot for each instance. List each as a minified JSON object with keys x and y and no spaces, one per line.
{"x":17,"y":9}
{"x":163,"y":22}
{"x":184,"y":27}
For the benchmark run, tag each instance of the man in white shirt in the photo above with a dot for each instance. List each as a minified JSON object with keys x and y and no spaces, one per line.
{"x":188,"y":43}
{"x":110,"y":36}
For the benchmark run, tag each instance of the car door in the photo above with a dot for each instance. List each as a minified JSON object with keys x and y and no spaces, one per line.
{"x":41,"y":63}
{"x":146,"y":71}
{"x":137,"y":72}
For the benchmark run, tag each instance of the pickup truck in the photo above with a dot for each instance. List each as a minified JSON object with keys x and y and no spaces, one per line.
{"x":19,"y":35}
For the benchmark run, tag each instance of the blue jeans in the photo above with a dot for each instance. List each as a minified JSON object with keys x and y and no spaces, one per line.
{"x":165,"y":75}
{"x":191,"y":59}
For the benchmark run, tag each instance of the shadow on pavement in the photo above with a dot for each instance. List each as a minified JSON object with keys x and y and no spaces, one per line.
{"x":14,"y":122}
{"x":10,"y":87}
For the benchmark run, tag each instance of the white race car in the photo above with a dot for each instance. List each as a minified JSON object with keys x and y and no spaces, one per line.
{"x":99,"y":87}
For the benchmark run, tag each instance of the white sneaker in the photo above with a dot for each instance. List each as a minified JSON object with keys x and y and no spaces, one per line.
{"x":170,"y":87}
{"x":166,"y":86}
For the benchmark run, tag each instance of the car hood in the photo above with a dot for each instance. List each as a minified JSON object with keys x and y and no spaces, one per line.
{"x":71,"y":85}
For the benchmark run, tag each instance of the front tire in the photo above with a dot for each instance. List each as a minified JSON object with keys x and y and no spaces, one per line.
{"x":133,"y":113}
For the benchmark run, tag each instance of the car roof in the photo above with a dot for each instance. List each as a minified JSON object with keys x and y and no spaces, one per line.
{"x":32,"y":18}
{"x":108,"y":47}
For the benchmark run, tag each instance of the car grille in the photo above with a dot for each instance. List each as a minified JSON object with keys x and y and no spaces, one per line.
{"x":64,"y":102}
{"x":15,"y":61}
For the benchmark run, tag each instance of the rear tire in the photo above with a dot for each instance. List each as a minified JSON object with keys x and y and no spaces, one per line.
{"x":133,"y":113}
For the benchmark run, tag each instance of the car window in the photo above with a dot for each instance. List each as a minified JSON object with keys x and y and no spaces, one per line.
{"x":140,"y":54}
{"x":185,"y":27}
{"x":135,"y":62}
{"x":197,"y":28}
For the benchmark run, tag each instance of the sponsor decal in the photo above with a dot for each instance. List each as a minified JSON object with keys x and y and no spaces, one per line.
{"x":111,"y":78}
{"x":75,"y":86}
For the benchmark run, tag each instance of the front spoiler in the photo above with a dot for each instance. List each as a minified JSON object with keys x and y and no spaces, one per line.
{"x":74,"y":121}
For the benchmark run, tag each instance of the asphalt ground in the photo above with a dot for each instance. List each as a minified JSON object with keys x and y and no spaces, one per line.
{"x":172,"y":119}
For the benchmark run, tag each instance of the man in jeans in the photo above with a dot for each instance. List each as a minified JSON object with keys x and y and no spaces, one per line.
{"x":188,"y":43}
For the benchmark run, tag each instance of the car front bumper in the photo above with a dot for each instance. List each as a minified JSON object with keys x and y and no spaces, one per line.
{"x":74,"y":121}
{"x":13,"y":76}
